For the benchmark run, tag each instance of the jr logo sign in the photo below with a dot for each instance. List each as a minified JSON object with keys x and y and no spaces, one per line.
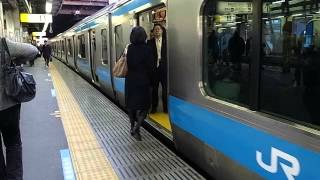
{"x":291,"y":170}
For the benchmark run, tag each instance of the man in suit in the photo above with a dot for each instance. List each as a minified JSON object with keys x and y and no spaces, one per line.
{"x":158,"y":45}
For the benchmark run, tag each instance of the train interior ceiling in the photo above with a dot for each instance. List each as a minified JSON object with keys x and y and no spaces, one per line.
{"x":289,"y":75}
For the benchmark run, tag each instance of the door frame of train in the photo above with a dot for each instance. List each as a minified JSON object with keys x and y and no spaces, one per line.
{"x":66,"y":49}
{"x":92,"y":57}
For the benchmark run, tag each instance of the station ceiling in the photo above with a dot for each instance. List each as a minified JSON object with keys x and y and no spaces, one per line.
{"x":65,"y":12}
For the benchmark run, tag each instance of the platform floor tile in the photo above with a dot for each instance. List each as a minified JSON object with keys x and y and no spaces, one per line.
{"x":130,"y":159}
{"x":86,"y":153}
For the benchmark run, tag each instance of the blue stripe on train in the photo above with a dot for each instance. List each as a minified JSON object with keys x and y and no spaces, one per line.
{"x":241,"y":142}
{"x":104,"y":75}
{"x":84,"y":66}
{"x":132,"y":5}
{"x":119,"y":84}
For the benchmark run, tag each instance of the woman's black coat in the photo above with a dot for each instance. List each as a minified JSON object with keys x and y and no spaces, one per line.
{"x":138,"y":80}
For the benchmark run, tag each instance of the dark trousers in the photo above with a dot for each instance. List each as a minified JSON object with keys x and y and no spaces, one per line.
{"x":136,"y":119}
{"x":10,"y":131}
{"x":47,"y":60}
{"x":160,"y":77}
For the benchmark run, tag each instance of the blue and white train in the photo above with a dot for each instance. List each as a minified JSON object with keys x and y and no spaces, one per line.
{"x":243,"y":78}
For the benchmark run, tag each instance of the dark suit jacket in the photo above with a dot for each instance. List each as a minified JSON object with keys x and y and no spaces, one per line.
{"x":153,"y":46}
{"x":46,"y":51}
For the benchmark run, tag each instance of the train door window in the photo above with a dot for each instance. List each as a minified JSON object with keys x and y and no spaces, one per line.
{"x":69,"y":47}
{"x":156,"y":15}
{"x":104,"y":47}
{"x":119,"y":42}
{"x":226,"y":50}
{"x":81,"y":46}
{"x":93,"y":37}
{"x":63,"y":48}
{"x":290,"y":72}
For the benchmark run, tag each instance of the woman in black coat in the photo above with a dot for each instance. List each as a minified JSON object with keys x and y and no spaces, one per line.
{"x":138,"y":80}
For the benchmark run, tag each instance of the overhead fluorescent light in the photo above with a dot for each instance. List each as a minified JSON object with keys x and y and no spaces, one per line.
{"x":48,"y":7}
{"x":278,"y":17}
{"x":296,"y":15}
{"x":278,"y":2}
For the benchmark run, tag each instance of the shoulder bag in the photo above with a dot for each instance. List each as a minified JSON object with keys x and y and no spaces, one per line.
{"x":120,"y":68}
{"x":20,"y":86}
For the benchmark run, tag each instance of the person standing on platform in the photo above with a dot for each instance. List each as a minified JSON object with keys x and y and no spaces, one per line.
{"x":46,"y":52}
{"x":138,"y":80}
{"x":10,"y":114}
{"x":158,"y":45}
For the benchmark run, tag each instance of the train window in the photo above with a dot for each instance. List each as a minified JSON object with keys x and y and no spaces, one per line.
{"x":290,"y":77}
{"x":93,"y":36}
{"x":62,"y":45}
{"x":104,"y":47}
{"x":119,"y":42}
{"x":226,"y":50}
{"x":81,"y":46}
{"x":153,"y":16}
{"x":69,"y":47}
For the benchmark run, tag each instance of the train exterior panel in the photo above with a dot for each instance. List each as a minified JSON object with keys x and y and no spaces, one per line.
{"x":242,"y":135}
{"x":227,"y":140}
{"x":83,"y":54}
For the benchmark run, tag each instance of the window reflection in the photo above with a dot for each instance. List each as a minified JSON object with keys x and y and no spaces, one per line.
{"x":104,"y":46}
{"x":81,"y":46}
{"x":290,"y":77}
{"x":119,"y":42}
{"x":227,"y":46}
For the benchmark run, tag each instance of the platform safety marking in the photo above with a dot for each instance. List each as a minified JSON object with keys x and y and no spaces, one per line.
{"x":53,"y":93}
{"x":68,"y":172}
{"x":88,"y":159}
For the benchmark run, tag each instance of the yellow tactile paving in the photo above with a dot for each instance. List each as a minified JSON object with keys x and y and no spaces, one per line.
{"x":162,"y":119}
{"x":89,"y":160}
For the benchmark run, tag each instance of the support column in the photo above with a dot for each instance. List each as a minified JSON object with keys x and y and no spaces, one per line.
{"x":1,"y":20}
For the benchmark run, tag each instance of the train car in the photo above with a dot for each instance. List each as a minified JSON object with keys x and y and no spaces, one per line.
{"x":243,"y":79}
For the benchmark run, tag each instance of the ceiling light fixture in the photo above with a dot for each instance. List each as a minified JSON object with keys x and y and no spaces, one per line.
{"x":48,"y":7}
{"x":278,"y":2}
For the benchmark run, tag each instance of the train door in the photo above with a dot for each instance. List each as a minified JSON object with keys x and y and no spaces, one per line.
{"x":148,"y":19}
{"x":65,"y":49}
{"x":93,"y":53}
{"x":69,"y":51}
{"x":121,"y":31}
{"x":102,"y":63}
{"x":74,"y":50}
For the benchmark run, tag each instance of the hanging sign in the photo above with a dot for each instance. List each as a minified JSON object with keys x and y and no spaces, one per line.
{"x":225,"y":18}
{"x":35,"y":18}
{"x":234,"y":7}
{"x":39,"y":33}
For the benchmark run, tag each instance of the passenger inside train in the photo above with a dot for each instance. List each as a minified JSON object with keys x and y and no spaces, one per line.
{"x":290,"y":76}
{"x":154,"y":21}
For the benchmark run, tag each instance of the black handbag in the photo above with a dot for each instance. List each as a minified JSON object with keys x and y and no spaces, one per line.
{"x":20,"y":86}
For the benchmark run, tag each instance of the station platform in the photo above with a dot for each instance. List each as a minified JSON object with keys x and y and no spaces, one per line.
{"x":72,"y":131}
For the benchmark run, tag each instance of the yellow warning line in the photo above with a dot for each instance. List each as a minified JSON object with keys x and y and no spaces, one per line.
{"x":88,"y":158}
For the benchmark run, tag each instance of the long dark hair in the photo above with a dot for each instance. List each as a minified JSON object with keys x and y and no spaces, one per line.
{"x":138,"y":35}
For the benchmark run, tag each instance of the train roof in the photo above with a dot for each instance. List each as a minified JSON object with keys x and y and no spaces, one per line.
{"x":114,"y":8}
